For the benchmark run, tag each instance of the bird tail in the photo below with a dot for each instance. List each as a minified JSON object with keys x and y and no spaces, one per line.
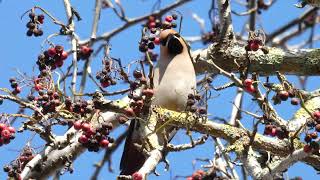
{"x":132,"y":159}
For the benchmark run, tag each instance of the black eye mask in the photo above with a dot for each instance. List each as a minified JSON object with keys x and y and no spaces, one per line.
{"x":174,"y":45}
{"x":164,"y":41}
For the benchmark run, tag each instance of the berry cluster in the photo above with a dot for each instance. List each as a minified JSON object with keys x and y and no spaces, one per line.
{"x":84,"y":52}
{"x":191,"y":104}
{"x":283,"y":95}
{"x":48,"y":100}
{"x":104,"y":76}
{"x":154,"y":24}
{"x":248,"y":85}
{"x":15,"y":167}
{"x":80,"y":107}
{"x":275,"y":131}
{"x":256,"y":41}
{"x":33,"y":24}
{"x":37,"y":82}
{"x":147,"y":43}
{"x":168,"y":22}
{"x":7,"y":133}
{"x":94,"y":139}
{"x":137,"y":103}
{"x":14,"y":84}
{"x":312,"y":138}
{"x":53,"y":57}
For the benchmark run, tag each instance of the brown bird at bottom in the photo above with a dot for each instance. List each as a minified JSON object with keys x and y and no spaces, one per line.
{"x":174,"y":79}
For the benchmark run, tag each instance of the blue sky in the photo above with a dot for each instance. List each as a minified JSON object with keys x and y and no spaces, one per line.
{"x":20,"y":52}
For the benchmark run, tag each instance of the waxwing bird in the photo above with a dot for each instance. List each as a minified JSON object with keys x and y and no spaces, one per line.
{"x":174,"y":79}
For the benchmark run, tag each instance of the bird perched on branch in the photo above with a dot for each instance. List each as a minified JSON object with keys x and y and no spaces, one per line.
{"x":174,"y":79}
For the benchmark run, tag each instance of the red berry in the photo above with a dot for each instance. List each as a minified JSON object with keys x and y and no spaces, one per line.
{"x":268,"y":129}
{"x":64,"y":55}
{"x":202,"y":110}
{"x":169,"y":18}
{"x":2,"y":126}
{"x":136,"y":110}
{"x":52,"y":52}
{"x":77,"y":125}
{"x":11,"y":129}
{"x":104,"y":143}
{"x":151,"y":25}
{"x":137,"y":74}
{"x":129,"y":112}
{"x":105,"y":84}
{"x":5,"y":134}
{"x":254,"y":46}
{"x":37,"y":87}
{"x":137,"y":176}
{"x":201,"y":172}
{"x":40,"y":17}
{"x":156,"y":41}
{"x":90,"y":131}
{"x":17,"y":90}
{"x":308,"y":138}
{"x":196,"y":176}
{"x":294,"y":101}
{"x":189,"y":178}
{"x":307,"y":148}
{"x":23,"y":158}
{"x":85,"y":126}
{"x":316,"y":114}
{"x":284,"y":95}
{"x":247,"y":82}
{"x":250,"y":89}
{"x":59,"y":63}
{"x":85,"y":50}
{"x":83,"y":139}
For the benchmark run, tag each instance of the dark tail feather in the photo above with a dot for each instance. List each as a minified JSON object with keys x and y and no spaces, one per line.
{"x":132,"y":159}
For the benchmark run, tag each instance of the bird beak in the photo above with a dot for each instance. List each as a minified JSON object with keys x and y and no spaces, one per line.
{"x":174,"y":44}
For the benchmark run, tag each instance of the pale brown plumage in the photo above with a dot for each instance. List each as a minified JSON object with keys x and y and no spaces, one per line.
{"x":174,"y":76}
{"x":174,"y":79}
